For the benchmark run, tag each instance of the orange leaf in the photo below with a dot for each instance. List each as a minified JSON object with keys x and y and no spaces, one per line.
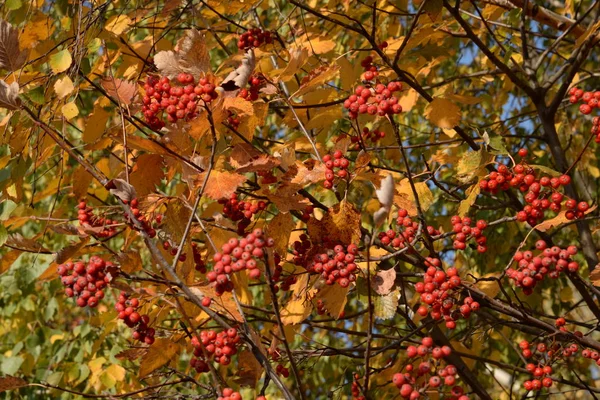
{"x":221,"y":184}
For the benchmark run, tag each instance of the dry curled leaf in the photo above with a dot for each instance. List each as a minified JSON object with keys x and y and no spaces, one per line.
{"x":238,"y":78}
{"x":122,"y":190}
{"x":9,"y":95}
{"x":119,"y":89}
{"x":383,"y":281}
{"x":11,"y":382}
{"x":190,"y":56}
{"x":11,"y":57}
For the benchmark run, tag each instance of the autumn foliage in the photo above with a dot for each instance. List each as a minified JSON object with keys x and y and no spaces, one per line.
{"x":299,"y":199}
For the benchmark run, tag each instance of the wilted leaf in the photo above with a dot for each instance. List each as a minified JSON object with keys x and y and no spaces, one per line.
{"x":433,"y":8}
{"x":96,"y":124}
{"x":316,"y":78}
{"x":246,"y":158}
{"x":132,"y":354}
{"x":11,"y":57}
{"x":384,"y":307}
{"x":298,"y":56}
{"x":443,"y":113}
{"x":383,"y":281}
{"x":299,"y":307}
{"x":9,"y":95}
{"x":118,"y":24}
{"x":17,"y":241}
{"x":190,"y":56}
{"x":248,"y":370}
{"x":159,"y":354}
{"x":334,"y":298}
{"x":280,"y":228}
{"x":595,"y":275}
{"x":238,"y":78}
{"x":147,"y":173}
{"x":545,"y":170}
{"x":224,"y":304}
{"x":68,"y":252}
{"x":122,"y":190}
{"x":11,"y":382}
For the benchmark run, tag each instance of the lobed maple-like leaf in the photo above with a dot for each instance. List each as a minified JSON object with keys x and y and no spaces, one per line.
{"x":189,"y":56}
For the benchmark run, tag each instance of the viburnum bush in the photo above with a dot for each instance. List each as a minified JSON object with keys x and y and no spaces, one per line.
{"x":299,"y":200}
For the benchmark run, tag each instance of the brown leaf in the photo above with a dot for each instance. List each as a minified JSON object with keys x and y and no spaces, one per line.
{"x":8,"y":259}
{"x":132,"y":354}
{"x":9,"y":95}
{"x":190,"y":56}
{"x":248,"y":370}
{"x":384,"y":281}
{"x":81,"y":181}
{"x":147,"y":173}
{"x":11,"y":382}
{"x":246,"y":158}
{"x":238,"y":78}
{"x":221,"y":184}
{"x":340,"y":224}
{"x":224,"y":304}
{"x":159,"y":354}
{"x":123,"y":190}
{"x":29,"y":245}
{"x":130,"y":261}
{"x":69,"y":252}
{"x":280,"y":228}
{"x":11,"y":57}
{"x":119,"y":89}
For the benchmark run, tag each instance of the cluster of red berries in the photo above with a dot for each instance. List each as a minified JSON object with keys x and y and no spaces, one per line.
{"x":541,"y":378}
{"x":199,"y":263}
{"x":255,"y":81}
{"x":321,"y":307}
{"x":378,"y":100}
{"x":545,"y":355}
{"x":407,"y":230}
{"x":594,"y":355}
{"x":336,"y":265}
{"x":590,"y":100}
{"x":541,"y":191}
{"x":127,"y":309}
{"x":306,"y":213}
{"x":355,"y":388}
{"x":254,"y":38}
{"x":373,"y":136}
{"x":241,"y":211}
{"x":550,"y":261}
{"x":437,"y":292}
{"x":338,"y":164}
{"x":229,"y":394}
{"x":596,"y":128}
{"x":179,"y":99}
{"x":411,"y":383}
{"x":147,"y":225}
{"x":464,"y":231}
{"x":85,"y":282}
{"x":282,"y":370}
{"x":87,"y":218}
{"x":370,"y":69}
{"x":233,"y":120}
{"x":212,"y":345}
{"x":173,"y":250}
{"x":237,"y":255}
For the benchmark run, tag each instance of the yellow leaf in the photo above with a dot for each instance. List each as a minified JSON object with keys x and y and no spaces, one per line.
{"x":341,"y":222}
{"x":298,"y":56}
{"x":159,"y":354}
{"x":96,"y":124}
{"x":491,"y":287}
{"x":405,"y":196}
{"x":466,"y":204}
{"x":560,"y":219}
{"x":63,"y":87}
{"x":334,"y":298}
{"x":70,"y":110}
{"x":280,"y":228}
{"x":408,"y":99}
{"x":61,"y":61}
{"x":118,"y":24}
{"x":443,"y":113}
{"x":299,"y":307}
{"x":111,"y":375}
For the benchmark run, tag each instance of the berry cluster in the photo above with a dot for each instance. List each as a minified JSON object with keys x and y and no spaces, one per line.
{"x":147,"y":225}
{"x":127,"y":309}
{"x":370,"y":69}
{"x":590,"y":100}
{"x":255,"y":81}
{"x":541,"y":378}
{"x":464,"y":231}
{"x":407,"y":230}
{"x":413,"y":383}
{"x":85,"y":282}
{"x":254,"y":38}
{"x":338,"y":164}
{"x":594,"y":355}
{"x":596,"y":128}
{"x":229,"y":394}
{"x":378,"y":100}
{"x":233,"y":120}
{"x":283,"y":371}
{"x":541,"y":191}
{"x":87,"y":218}
{"x":550,"y":261}
{"x":437,"y":292}
{"x":173,"y":250}
{"x":237,"y":255}
{"x":241,"y":211}
{"x":212,"y":345}
{"x":179,"y":99}
{"x":373,"y":136}
{"x":199,"y":263}
{"x":336,"y":265}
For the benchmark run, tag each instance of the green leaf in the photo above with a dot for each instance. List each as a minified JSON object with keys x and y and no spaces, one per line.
{"x":10,"y":365}
{"x":3,"y":235}
{"x":61,"y":61}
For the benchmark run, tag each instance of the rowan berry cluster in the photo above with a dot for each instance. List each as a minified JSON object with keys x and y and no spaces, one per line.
{"x":179,"y":99}
{"x":233,"y":120}
{"x":237,"y":255}
{"x":591,"y":354}
{"x":355,"y":388}
{"x":306,"y":213}
{"x":336,"y":265}
{"x":464,"y":232}
{"x":87,"y":218}
{"x":173,"y":250}
{"x":414,"y":383}
{"x":589,"y":100}
{"x":378,"y":100}
{"x":229,"y":394}
{"x":147,"y":224}
{"x":550,"y":261}
{"x":373,"y":136}
{"x":407,"y":231}
{"x":254,"y":38}
{"x":437,"y":292}
{"x":541,"y":191}
{"x":85,"y":282}
{"x":545,"y":354}
{"x":338,"y":164}
{"x":212,"y":345}
{"x":199,"y":263}
{"x":321,"y":310}
{"x":241,"y":211}
{"x":127,"y":309}
{"x":255,"y":81}
{"x":282,"y":370}
{"x":596,"y":128}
